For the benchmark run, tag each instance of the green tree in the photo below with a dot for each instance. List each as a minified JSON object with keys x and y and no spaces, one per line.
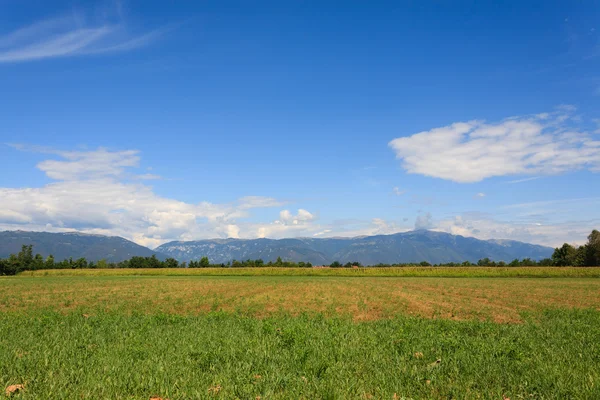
{"x":528,"y":262}
{"x":546,"y":262}
{"x":38,"y":262}
{"x":582,"y":256}
{"x":593,"y":249}
{"x":564,"y":256}
{"x":204,"y":262}
{"x":49,"y":263}
{"x":153,"y":262}
{"x":13,"y":265}
{"x":25,"y":257}
{"x":484,"y":262}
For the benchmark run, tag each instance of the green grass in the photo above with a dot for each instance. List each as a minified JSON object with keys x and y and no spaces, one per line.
{"x":540,"y":272}
{"x":113,"y":356}
{"x":292,"y":337}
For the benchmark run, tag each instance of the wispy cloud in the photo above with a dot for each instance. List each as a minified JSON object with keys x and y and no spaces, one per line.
{"x":479,"y":195}
{"x":597,"y":122}
{"x":538,"y":204}
{"x":398,"y":192}
{"x":533,"y":178}
{"x":148,"y":177}
{"x":70,"y":36}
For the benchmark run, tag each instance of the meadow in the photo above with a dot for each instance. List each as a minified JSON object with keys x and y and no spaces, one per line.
{"x":314,"y":337}
{"x":415,"y":271}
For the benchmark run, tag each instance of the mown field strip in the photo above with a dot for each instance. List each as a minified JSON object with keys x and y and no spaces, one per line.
{"x":367,"y":298}
{"x":518,"y":272}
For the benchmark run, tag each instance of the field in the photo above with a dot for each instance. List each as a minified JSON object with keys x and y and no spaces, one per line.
{"x":91,"y":335}
{"x":468,"y":272}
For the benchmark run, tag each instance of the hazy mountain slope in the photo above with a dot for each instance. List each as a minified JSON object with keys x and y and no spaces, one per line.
{"x":224,"y":250}
{"x":415,"y":246}
{"x":513,"y":247}
{"x":72,"y":244}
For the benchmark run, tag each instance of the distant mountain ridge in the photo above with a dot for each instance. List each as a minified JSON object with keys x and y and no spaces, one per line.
{"x":407,"y":247}
{"x":73,"y":244}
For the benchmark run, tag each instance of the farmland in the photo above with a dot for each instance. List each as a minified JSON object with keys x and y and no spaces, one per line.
{"x":415,"y":271}
{"x":91,"y":335}
{"x":361,"y":299}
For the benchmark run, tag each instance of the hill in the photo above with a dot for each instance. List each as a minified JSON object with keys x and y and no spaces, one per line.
{"x":407,"y":247}
{"x":73,"y":244}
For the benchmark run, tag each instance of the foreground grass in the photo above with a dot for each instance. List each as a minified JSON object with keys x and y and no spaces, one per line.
{"x":288,"y":337}
{"x":222,"y":355}
{"x":366,"y":298}
{"x":533,"y":272}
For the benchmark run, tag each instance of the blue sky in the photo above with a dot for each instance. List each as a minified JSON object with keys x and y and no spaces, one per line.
{"x":192,"y":120}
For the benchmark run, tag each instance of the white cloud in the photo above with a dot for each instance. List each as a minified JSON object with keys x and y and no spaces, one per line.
{"x":484,"y":226}
{"x":232,"y":231}
{"x":353,"y":228}
{"x":479,"y":195}
{"x":288,"y":224}
{"x":379,"y":226}
{"x":287,"y":218}
{"x":95,"y":192}
{"x":398,"y":192}
{"x":549,"y":223}
{"x":248,"y":202}
{"x":424,"y":221}
{"x":78,"y":165}
{"x":471,"y":151}
{"x":98,"y":191}
{"x":69,"y":36}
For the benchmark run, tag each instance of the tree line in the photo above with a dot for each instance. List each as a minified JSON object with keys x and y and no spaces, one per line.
{"x":587,"y":255}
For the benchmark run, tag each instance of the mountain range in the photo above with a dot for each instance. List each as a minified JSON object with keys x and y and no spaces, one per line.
{"x":406,"y":247}
{"x":73,"y":244}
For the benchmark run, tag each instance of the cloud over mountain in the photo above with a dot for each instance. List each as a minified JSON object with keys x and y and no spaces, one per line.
{"x":96,"y":192}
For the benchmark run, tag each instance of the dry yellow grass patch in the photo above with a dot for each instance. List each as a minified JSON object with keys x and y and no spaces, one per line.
{"x":13,"y":389}
{"x":364,"y":298}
